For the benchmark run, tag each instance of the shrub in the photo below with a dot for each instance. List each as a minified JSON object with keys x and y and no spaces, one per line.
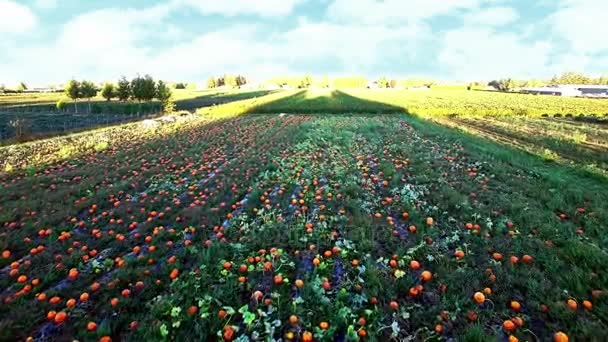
{"x":61,"y":104}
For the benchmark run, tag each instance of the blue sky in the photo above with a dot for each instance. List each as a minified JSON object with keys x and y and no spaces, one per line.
{"x":48,"y":41}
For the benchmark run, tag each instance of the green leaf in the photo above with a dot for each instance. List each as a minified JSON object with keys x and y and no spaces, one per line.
{"x":163,"y":330}
{"x":248,"y":318}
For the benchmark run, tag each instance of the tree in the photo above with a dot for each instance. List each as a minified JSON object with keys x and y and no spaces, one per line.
{"x":123,"y":92}
{"x":87,"y":91}
{"x":165,"y":96}
{"x":179,"y":85}
{"x":220,"y":82}
{"x":72,"y":90}
{"x":241,"y":80}
{"x":108,"y":92}
{"x":149,"y":88}
{"x":495,"y":84}
{"x":2,"y":88}
{"x":507,"y":84}
{"x":382,"y":82}
{"x":602,"y":80}
{"x":211,"y":83}
{"x":306,"y":81}
{"x":534,"y":83}
{"x":570,"y":77}
{"x":21,"y":87}
{"x":191,"y":86}
{"x":137,"y":88}
{"x":393,"y":84}
{"x":230,"y":81}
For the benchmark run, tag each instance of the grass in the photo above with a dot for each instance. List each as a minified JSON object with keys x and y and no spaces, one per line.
{"x":227,"y":224}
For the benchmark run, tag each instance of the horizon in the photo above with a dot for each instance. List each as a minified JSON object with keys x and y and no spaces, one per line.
{"x":51,"y":41}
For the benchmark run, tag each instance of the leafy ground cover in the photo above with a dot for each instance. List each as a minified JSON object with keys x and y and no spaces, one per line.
{"x":303,"y":227}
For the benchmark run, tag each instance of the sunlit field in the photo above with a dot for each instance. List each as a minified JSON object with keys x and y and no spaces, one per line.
{"x":329,"y":215}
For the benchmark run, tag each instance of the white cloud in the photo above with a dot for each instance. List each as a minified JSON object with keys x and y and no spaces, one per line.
{"x":395,"y":11}
{"x":492,"y":16}
{"x":45,"y":4}
{"x":482,"y":53}
{"x":263,"y":8}
{"x":351,"y":48}
{"x":15,"y":18}
{"x":393,"y":38}
{"x":582,"y":24}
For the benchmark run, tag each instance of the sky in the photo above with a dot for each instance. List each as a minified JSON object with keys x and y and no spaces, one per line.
{"x":44,"y":42}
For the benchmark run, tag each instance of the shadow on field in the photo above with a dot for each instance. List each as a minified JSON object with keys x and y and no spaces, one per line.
{"x":325,"y":102}
{"x":219,"y":98}
{"x":532,"y":155}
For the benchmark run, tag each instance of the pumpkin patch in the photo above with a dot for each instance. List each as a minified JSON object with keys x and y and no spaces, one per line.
{"x":298,"y":227}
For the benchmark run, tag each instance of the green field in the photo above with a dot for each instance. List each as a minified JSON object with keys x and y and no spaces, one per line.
{"x":430,"y":103}
{"x":25,"y":117}
{"x":314,"y":215}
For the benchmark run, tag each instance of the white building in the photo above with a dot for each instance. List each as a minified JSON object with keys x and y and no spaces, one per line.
{"x":571,"y":90}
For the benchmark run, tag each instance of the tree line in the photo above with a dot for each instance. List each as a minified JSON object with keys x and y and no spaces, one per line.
{"x":141,"y":89}
{"x":226,"y":80}
{"x":509,"y":84}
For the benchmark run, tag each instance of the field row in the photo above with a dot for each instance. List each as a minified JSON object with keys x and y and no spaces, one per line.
{"x":332,"y":227}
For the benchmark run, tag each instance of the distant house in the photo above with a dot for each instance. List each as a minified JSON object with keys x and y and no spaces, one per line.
{"x":40,"y":90}
{"x":570,"y":90}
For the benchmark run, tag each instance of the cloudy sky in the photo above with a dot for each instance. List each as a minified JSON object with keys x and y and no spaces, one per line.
{"x":48,"y":41}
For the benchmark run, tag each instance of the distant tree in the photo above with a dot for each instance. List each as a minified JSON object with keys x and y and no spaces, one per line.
{"x":507,"y":84}
{"x":137,"y":88}
{"x":123,"y":91}
{"x":72,"y":90}
{"x":393,"y":84}
{"x":571,"y":78}
{"x":191,"y":86}
{"x":220,"y":81}
{"x":149,"y":88}
{"x":534,"y":83}
{"x":179,"y":85}
{"x":21,"y":87}
{"x":382,"y":82}
{"x":495,"y":84}
{"x":211,"y":82}
{"x":241,"y":80}
{"x":602,"y":80}
{"x":88,"y":90}
{"x":108,"y":92}
{"x":165,"y":96}
{"x":230,"y":81}
{"x":2,"y":88}
{"x":306,"y":81}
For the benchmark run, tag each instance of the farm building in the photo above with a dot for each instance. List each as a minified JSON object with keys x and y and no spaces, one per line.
{"x":571,"y":90}
{"x":592,"y":90}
